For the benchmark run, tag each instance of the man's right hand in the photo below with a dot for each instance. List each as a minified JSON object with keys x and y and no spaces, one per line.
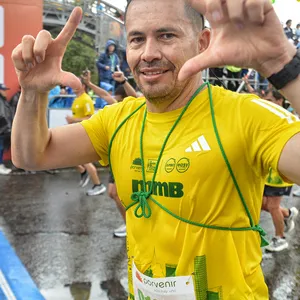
{"x":107,"y":68}
{"x":38,"y":60}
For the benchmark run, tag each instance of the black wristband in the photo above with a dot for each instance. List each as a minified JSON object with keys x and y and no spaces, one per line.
{"x":123,"y":82}
{"x":289,"y":73}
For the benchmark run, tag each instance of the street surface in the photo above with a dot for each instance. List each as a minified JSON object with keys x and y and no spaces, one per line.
{"x":65,"y":239}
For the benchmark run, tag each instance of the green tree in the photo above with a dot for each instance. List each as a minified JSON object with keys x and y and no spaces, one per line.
{"x":80,"y":56}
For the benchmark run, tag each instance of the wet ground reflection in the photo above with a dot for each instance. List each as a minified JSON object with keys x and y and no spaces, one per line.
{"x":106,"y":290}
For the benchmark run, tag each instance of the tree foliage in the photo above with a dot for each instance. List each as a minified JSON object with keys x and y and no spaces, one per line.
{"x":79,"y":56}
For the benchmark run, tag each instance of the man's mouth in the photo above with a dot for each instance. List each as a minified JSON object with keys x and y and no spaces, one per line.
{"x":150,"y":73}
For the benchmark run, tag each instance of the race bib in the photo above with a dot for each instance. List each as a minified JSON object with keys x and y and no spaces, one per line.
{"x":167,"y":288}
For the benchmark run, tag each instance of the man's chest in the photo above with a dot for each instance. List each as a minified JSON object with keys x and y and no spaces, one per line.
{"x":172,"y":167}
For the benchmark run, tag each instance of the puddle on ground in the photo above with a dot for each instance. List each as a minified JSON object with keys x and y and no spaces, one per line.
{"x":106,"y":290}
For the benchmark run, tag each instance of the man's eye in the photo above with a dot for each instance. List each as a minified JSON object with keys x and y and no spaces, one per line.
{"x":167,"y":36}
{"x":137,"y":40}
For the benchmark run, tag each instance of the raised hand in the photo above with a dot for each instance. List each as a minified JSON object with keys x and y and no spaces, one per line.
{"x":38,"y":60}
{"x":86,"y":76}
{"x":118,"y":76}
{"x":244,"y":33}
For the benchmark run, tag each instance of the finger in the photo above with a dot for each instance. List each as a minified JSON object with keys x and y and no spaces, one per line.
{"x":205,"y":60}
{"x":214,"y":11}
{"x":27,"y":50}
{"x":235,"y":10}
{"x":17,"y":59}
{"x":69,"y":29}
{"x":68,"y":79}
{"x":256,"y":10}
{"x":41,"y":44}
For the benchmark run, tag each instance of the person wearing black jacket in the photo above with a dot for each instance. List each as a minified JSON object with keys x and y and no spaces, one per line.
{"x":5,"y":126}
{"x":288,"y":30}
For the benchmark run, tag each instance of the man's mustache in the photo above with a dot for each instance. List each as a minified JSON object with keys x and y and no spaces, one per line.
{"x":155,"y":64}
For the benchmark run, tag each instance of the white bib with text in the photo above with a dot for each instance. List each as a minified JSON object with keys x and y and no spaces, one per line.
{"x":167,"y":288}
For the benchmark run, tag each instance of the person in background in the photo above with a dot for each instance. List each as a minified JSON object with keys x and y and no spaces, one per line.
{"x":275,"y":189}
{"x":83,"y":109}
{"x":124,"y":64}
{"x":249,"y":87}
{"x":107,"y":65}
{"x":14,"y":100}
{"x":233,"y":73}
{"x":123,"y":90}
{"x":297,"y":33}
{"x":5,"y":127}
{"x":288,"y":30}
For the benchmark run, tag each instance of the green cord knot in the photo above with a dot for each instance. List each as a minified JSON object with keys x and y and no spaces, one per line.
{"x":262,"y":233}
{"x":141,"y":200}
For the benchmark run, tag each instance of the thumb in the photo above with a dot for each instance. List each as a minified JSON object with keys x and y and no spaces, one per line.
{"x":69,"y":79}
{"x":199,"y":63}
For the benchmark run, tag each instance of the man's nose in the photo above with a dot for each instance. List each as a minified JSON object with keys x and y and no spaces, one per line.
{"x":151,"y":51}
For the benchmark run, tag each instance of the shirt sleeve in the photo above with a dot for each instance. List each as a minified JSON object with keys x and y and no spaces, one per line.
{"x":97,"y":132}
{"x":266,"y":128}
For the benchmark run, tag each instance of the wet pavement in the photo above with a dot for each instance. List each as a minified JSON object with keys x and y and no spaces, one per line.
{"x":65,"y":240}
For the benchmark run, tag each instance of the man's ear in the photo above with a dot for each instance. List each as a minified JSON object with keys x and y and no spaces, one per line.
{"x":204,"y":40}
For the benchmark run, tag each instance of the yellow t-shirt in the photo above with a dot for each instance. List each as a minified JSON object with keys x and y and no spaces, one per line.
{"x":275,"y":180}
{"x":194,"y":183}
{"x":83,"y":106}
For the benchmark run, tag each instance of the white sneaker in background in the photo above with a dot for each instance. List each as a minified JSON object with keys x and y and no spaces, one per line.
{"x":96,"y":190}
{"x":296,"y":193}
{"x":277,"y":244}
{"x":4,"y":170}
{"x":121,"y":231}
{"x":289,"y":222}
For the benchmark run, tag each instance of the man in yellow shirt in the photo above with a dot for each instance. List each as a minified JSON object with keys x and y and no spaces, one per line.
{"x":83,"y":109}
{"x":189,"y":159}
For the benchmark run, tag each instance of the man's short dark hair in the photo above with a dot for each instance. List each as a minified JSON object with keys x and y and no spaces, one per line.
{"x":196,"y":18}
{"x":288,"y":21}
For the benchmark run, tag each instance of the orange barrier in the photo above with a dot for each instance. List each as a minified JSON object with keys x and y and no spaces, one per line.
{"x":17,"y":18}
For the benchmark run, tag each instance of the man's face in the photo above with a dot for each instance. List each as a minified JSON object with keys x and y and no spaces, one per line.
{"x":289,"y":24}
{"x":3,"y":93}
{"x":160,"y":39}
{"x":111,"y":48}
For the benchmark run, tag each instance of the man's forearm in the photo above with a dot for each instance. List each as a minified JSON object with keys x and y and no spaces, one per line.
{"x":30,"y":133}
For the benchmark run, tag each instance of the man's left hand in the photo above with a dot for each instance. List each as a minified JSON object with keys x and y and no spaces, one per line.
{"x":244,"y":33}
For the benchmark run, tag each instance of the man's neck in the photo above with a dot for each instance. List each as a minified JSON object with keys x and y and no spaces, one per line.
{"x":179,"y":101}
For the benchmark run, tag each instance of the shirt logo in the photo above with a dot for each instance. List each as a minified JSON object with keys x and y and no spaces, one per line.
{"x":136,"y":165}
{"x":200,"y":145}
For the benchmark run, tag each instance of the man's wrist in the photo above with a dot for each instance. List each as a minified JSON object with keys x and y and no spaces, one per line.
{"x":275,"y":66}
{"x":287,"y":74}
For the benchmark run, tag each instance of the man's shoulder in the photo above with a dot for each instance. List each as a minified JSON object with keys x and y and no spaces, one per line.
{"x":228,"y":97}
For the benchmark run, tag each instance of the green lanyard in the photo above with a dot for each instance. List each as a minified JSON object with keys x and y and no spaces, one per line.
{"x":141,"y":198}
{"x":112,"y":59}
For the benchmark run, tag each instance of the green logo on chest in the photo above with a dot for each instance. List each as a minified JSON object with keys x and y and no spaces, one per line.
{"x":166,"y":189}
